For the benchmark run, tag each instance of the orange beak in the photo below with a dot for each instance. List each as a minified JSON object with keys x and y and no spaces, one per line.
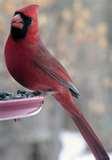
{"x":17,"y":21}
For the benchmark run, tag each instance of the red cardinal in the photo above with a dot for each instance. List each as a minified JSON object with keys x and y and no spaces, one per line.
{"x":31,"y":64}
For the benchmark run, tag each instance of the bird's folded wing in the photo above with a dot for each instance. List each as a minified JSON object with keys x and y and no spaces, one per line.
{"x":48,"y":64}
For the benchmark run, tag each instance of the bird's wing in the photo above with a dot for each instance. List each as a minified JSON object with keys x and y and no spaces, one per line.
{"x":48,"y":64}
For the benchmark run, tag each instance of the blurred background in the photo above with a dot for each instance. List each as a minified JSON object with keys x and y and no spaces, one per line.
{"x":78,"y":33}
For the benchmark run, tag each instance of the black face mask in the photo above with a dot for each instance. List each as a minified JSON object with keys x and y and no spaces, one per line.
{"x":18,"y":33}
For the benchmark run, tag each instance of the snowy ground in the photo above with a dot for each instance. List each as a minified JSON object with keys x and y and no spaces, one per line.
{"x":74,"y":147}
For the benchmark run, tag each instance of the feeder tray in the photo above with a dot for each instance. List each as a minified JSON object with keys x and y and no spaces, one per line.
{"x":20,"y":108}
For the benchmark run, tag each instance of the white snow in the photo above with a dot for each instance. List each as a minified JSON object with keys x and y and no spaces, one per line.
{"x":74,"y":147}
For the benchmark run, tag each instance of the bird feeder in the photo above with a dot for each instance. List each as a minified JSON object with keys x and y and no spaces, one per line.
{"x":20,"y":108}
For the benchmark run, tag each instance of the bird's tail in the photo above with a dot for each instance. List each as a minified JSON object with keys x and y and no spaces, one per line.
{"x":67,"y":101}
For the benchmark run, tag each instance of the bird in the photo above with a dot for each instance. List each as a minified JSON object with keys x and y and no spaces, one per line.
{"x":32,"y":65}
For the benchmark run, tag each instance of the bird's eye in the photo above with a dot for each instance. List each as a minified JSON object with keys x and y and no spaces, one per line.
{"x":28,"y":20}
